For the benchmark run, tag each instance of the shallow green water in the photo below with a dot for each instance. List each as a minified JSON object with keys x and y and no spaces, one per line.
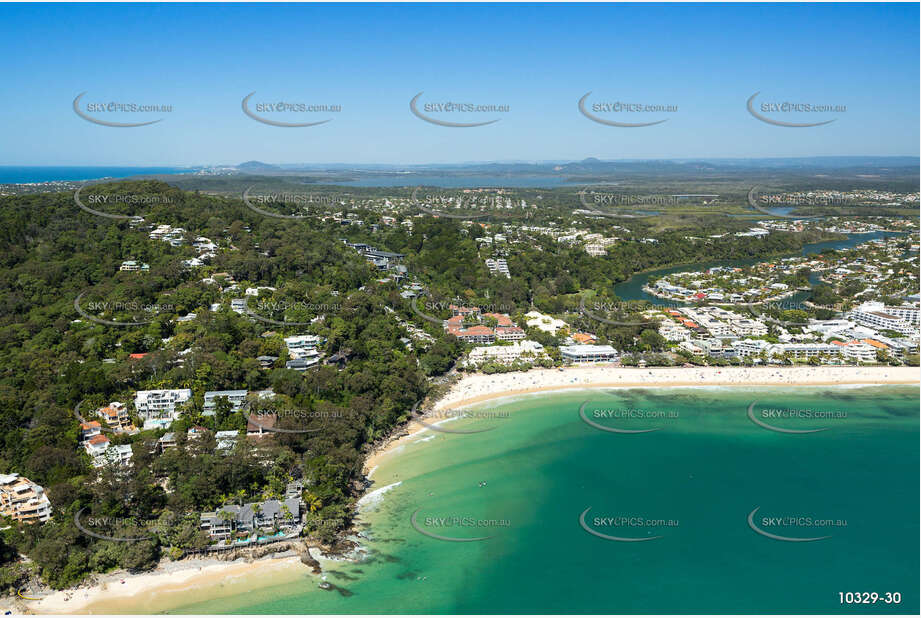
{"x":703,"y":470}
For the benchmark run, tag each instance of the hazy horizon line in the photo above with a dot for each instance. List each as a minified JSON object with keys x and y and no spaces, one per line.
{"x":474,"y":162}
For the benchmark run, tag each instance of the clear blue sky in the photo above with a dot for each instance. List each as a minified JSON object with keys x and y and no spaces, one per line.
{"x":372,"y":59}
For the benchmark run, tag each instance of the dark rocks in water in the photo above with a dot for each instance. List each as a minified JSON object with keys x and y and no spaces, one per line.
{"x":342,"y":591}
{"x":303,"y":553}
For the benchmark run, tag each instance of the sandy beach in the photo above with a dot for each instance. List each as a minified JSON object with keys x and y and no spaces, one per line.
{"x":477,"y":388}
{"x":169,"y":578}
{"x":190,"y":576}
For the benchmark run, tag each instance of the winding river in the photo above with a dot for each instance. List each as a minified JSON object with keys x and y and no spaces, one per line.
{"x":632,"y":289}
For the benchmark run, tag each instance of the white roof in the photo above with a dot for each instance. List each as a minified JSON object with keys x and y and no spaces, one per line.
{"x":587,"y":348}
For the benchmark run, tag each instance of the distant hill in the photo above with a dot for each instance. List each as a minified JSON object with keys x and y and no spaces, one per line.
{"x":258,"y":166}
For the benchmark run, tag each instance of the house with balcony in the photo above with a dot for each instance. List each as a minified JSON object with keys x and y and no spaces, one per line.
{"x":115,"y":455}
{"x":22,"y":500}
{"x":159,"y":408}
{"x":236,"y":399}
{"x":89,"y":430}
{"x":252,"y":518}
{"x":96,"y":445}
{"x":115,"y":416}
{"x":302,"y":346}
{"x":167,"y":441}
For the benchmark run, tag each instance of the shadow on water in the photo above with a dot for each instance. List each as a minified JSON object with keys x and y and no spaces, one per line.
{"x":343,"y":575}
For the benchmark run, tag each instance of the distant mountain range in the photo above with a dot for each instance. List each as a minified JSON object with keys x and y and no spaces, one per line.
{"x":593,"y":165}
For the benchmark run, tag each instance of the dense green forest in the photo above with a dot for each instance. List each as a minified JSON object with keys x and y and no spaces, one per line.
{"x":54,"y":359}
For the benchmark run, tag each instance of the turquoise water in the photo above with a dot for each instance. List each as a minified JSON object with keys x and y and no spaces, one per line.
{"x":694,"y":481}
{"x":25,"y":173}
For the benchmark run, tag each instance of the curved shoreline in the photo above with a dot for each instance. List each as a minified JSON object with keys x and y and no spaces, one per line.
{"x":206,"y":575}
{"x":477,"y":388}
{"x":182,"y":576}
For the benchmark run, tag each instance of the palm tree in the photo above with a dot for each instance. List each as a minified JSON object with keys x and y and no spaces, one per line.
{"x":286,"y":512}
{"x":314,"y":503}
{"x":225,"y":516}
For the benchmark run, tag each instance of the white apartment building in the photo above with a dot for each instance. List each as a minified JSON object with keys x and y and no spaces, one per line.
{"x":674,"y":332}
{"x":906,"y":312}
{"x":857,"y":351}
{"x":587,"y":353}
{"x":498,"y":267}
{"x":705,"y":319}
{"x":595,"y":249}
{"x":596,"y":244}
{"x":902,"y":320}
{"x":748,"y":328}
{"x":302,"y":346}
{"x":804,"y":350}
{"x":505,"y":353}
{"x":827,"y":328}
{"x":716,"y":327}
{"x":749,"y":347}
{"x":236,"y":398}
{"x":158,"y":407}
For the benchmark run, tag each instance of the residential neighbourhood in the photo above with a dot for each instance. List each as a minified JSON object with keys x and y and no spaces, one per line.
{"x":873,"y":268}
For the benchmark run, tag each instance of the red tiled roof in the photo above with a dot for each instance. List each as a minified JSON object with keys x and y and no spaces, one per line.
{"x":100,"y":439}
{"x":265,"y":421}
{"x":501,"y":318}
{"x":472,"y":331}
